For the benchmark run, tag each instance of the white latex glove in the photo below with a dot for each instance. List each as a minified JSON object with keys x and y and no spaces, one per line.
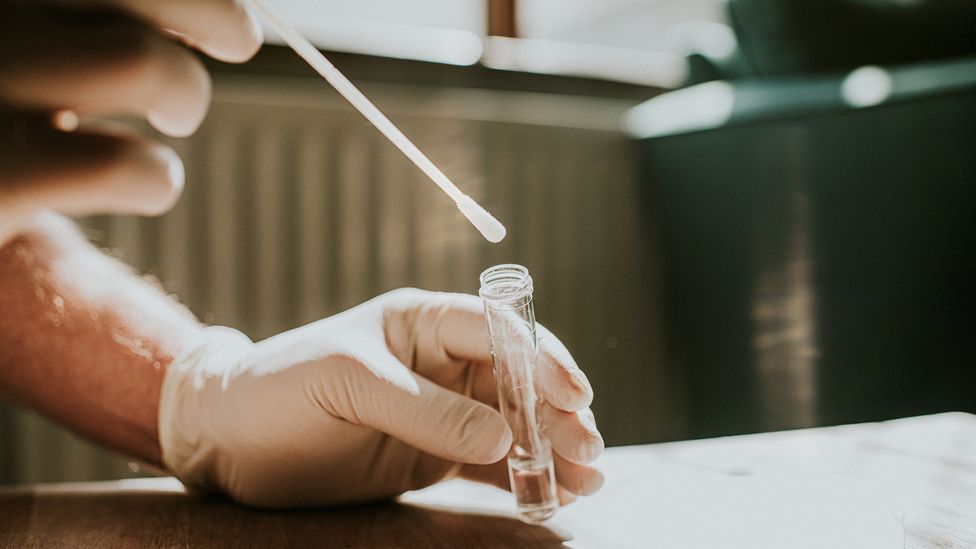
{"x":363,"y":405}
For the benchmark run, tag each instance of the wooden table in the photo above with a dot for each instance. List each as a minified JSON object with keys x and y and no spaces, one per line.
{"x":923,"y":468}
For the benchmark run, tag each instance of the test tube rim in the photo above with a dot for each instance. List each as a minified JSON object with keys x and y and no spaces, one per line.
{"x":511,"y":277}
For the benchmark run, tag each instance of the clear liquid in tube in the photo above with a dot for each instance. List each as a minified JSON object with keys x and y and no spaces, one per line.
{"x":534,"y":484}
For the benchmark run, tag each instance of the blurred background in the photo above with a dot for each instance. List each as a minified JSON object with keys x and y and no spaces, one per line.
{"x":741,"y":215}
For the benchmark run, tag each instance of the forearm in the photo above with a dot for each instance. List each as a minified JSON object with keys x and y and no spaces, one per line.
{"x":84,"y":340}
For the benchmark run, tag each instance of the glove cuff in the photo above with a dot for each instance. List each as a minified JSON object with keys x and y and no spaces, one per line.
{"x":188,"y":450}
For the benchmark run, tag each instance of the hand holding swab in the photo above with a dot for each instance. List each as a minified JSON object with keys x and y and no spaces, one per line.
{"x":489,"y":227}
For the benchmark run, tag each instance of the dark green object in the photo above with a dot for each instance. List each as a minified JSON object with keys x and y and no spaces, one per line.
{"x":867,"y":215}
{"x":780,"y":37}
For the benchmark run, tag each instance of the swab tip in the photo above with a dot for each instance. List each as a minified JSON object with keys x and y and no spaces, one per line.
{"x":487,"y":225}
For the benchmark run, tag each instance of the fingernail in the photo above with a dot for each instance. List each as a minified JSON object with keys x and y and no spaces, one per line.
{"x":504,"y":445}
{"x":580,"y":381}
{"x":588,"y":420}
{"x":176,"y":175}
{"x":594,"y":484}
{"x":592,"y":450}
{"x":566,"y":497}
{"x":593,"y":446}
{"x":577,"y":379}
{"x":171,"y":124}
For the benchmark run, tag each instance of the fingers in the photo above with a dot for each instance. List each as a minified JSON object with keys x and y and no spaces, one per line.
{"x":573,"y":479}
{"x":378,"y":391}
{"x":439,"y":335}
{"x":450,"y":329}
{"x":461,"y":330}
{"x":581,"y":480}
{"x":449,"y":326}
{"x":565,"y":496}
{"x":495,"y":474}
{"x":223,"y":29}
{"x":574,"y":434}
{"x":84,"y":173}
{"x":564,"y":384}
{"x":445,"y":331}
{"x":109,"y":64}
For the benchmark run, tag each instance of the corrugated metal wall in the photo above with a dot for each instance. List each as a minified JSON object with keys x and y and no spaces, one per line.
{"x":297,"y":209}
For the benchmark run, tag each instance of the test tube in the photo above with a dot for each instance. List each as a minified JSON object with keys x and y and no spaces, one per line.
{"x":507,"y":293}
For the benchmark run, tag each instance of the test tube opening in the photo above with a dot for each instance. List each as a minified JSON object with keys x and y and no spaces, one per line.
{"x":505,"y":285}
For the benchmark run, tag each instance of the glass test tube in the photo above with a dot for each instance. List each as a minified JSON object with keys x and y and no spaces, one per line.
{"x":507,"y":294}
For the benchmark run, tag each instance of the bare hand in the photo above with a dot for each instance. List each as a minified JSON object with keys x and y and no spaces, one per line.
{"x":62,"y":59}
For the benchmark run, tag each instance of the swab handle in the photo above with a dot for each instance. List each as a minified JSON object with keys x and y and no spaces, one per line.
{"x":489,"y":227}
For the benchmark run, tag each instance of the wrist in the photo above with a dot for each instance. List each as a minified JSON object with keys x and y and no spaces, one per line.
{"x":203,"y":369}
{"x":40,"y":230}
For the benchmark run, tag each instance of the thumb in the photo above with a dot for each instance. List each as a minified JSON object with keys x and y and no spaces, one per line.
{"x":419,"y":412}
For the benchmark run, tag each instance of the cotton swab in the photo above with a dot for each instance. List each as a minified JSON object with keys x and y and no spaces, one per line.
{"x":489,"y":227}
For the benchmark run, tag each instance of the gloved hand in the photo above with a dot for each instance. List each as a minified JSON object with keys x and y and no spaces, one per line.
{"x":393,"y":395}
{"x":62,"y":59}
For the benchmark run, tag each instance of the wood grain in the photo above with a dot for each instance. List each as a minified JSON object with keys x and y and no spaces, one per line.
{"x":502,"y":18}
{"x":154,"y":513}
{"x":929,"y":461}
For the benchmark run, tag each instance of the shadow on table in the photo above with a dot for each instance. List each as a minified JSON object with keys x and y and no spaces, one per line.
{"x":162,"y":519}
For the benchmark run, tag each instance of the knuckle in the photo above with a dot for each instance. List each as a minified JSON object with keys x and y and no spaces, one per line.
{"x":406,"y":294}
{"x":467,"y":302}
{"x":593,"y":442}
{"x":336,"y":393}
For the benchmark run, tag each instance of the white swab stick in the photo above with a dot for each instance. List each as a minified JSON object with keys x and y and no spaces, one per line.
{"x":489,"y":227}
